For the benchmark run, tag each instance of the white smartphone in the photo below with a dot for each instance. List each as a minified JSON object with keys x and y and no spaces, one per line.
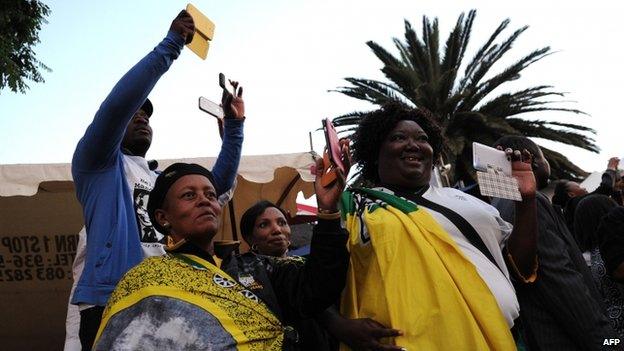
{"x":484,"y":157}
{"x":210,"y":107}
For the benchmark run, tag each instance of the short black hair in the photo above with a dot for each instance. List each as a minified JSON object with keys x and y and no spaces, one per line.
{"x":375,"y":126}
{"x":587,"y":216}
{"x":249,"y":217}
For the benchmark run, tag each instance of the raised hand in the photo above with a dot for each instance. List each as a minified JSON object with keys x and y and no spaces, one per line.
{"x":327,"y":197}
{"x":183,"y":24}
{"x":521,"y":169}
{"x":233,"y":104}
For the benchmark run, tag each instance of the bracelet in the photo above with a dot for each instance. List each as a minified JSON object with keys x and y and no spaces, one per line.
{"x":531,"y":278}
{"x":328,"y":215}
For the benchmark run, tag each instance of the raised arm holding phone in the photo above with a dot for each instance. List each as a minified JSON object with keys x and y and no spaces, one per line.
{"x":230,"y":300}
{"x":561,"y":309}
{"x":521,"y":246}
{"x":113,"y":179}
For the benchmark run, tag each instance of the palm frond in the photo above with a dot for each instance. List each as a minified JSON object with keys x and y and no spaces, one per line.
{"x":373,"y":91}
{"x":417,"y":51}
{"x":528,"y":100}
{"x":431,"y":38}
{"x":561,"y":167}
{"x":491,"y":56}
{"x":349,"y":119}
{"x":484,"y":51}
{"x":480,"y":91}
{"x":574,"y":126}
{"x":541,"y":129}
{"x":402,"y":75}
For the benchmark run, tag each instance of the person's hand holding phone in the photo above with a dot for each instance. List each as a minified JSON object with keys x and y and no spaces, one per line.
{"x":327,"y":196}
{"x":183,"y":24}
{"x":521,"y":169}
{"x":332,"y":156}
{"x":232,"y":99}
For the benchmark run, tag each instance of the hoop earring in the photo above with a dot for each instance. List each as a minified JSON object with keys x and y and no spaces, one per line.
{"x":254,"y":248}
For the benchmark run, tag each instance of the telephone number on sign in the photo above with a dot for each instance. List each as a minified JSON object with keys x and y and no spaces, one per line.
{"x":42,"y":273}
{"x":36,"y":260}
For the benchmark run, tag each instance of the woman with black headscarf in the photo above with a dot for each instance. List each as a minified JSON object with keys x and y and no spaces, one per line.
{"x":198,"y":298}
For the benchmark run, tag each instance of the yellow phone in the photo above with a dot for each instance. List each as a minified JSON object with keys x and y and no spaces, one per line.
{"x":204,"y":32}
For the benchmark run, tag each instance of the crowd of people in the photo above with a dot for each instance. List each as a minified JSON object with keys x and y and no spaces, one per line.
{"x":394,"y":263}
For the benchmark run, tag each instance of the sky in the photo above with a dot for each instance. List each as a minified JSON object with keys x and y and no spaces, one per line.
{"x":289,"y":55}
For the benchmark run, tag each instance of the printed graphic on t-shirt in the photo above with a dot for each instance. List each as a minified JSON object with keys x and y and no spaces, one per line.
{"x":140,"y":182}
{"x":147,"y":232}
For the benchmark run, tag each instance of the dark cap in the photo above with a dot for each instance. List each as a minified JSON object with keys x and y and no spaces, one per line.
{"x":165,"y":180}
{"x":147,"y":107}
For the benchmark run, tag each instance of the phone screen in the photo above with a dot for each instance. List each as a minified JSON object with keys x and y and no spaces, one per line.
{"x":210,"y":107}
{"x":484,"y":157}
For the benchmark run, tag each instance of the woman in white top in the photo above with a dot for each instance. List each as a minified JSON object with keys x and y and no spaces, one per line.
{"x":432,"y":262}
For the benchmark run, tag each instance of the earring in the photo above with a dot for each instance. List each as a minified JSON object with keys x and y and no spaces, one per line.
{"x":167,"y":225}
{"x":254,"y":248}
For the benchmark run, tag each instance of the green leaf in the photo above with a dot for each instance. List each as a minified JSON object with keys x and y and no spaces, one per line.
{"x":20,"y":23}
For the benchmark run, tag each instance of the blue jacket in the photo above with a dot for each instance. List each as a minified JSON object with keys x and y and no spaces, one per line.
{"x":113,"y":242}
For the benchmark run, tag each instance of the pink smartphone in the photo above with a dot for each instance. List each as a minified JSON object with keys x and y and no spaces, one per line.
{"x":333,"y":152}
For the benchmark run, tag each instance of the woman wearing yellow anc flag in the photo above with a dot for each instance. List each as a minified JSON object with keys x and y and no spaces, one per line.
{"x":205,"y":297}
{"x":432,"y":262}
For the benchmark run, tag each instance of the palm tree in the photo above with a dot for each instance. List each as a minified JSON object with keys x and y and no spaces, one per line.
{"x":425,"y":75}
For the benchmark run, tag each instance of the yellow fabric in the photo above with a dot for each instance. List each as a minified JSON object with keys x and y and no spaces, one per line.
{"x":249,"y":321}
{"x":217,"y":260}
{"x":412,"y":276}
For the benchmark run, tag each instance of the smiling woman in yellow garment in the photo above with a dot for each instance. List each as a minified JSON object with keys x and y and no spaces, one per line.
{"x":430,"y":261}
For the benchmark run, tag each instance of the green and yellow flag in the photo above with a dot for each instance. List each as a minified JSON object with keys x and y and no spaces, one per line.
{"x":407,"y":273}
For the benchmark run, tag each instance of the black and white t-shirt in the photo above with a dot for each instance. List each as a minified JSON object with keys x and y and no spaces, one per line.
{"x":140,"y":182}
{"x":494,"y":232}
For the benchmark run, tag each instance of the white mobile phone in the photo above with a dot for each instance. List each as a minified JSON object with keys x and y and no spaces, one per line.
{"x":210,"y":107}
{"x":484,"y":157}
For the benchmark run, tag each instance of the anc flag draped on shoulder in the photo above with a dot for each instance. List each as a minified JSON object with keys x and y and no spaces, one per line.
{"x":407,"y":273}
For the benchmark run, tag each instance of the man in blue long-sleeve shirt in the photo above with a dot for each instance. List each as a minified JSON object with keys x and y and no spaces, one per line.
{"x":113,"y":179}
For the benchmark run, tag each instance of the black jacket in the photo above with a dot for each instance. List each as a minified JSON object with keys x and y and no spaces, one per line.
{"x":292,"y":288}
{"x":563,"y":309}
